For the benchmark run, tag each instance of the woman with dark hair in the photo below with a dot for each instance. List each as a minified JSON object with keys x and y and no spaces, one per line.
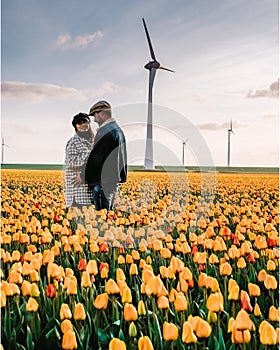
{"x":77,"y":152}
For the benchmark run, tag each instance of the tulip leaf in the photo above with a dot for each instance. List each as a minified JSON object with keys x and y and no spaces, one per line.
{"x":103,"y":337}
{"x":53,"y":333}
{"x":213,"y":343}
{"x":157,"y":330}
{"x":221,"y":340}
{"x":29,"y":340}
{"x":7,"y":325}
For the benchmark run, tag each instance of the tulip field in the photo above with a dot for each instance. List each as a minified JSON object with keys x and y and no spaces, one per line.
{"x":184,"y":261}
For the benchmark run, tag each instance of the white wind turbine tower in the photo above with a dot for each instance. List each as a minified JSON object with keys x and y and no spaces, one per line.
{"x":3,"y":145}
{"x":152,"y":66}
{"x":230,"y":131}
{"x":183,"y":152}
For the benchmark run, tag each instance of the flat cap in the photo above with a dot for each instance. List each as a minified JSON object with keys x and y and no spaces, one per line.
{"x":80,"y":116}
{"x":99,"y":106}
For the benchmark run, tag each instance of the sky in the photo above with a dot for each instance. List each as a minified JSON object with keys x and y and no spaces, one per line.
{"x":59,"y":57}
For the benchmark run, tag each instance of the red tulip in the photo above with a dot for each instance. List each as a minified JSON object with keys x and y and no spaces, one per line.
{"x":51,"y":291}
{"x":104,"y":248}
{"x":82,"y":264}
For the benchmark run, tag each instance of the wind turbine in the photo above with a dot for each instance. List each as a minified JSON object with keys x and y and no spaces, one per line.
{"x":230,"y":130}
{"x":152,"y":66}
{"x":183,"y":153}
{"x":2,"y":154}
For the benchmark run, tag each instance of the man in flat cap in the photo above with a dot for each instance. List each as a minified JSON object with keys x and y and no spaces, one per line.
{"x":107,"y":163}
{"x":77,"y":151}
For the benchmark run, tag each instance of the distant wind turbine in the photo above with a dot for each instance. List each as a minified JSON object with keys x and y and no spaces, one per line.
{"x":230,"y":131}
{"x":3,"y":146}
{"x":152,"y":66}
{"x":183,"y":153}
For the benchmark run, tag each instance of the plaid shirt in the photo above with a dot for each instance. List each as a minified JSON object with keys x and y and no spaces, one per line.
{"x":76,"y":154}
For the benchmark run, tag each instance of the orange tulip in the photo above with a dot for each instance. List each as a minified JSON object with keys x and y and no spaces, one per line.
{"x":267,"y":333}
{"x":215,"y":302}
{"x":270,"y":282}
{"x":26,"y":288}
{"x":69,"y":341}
{"x":180,"y":303}
{"x":144,"y":343}
{"x":129,"y":312}
{"x":117,"y":344}
{"x":111,"y":287}
{"x":92,"y":268}
{"x":170,"y":331}
{"x":202,"y":328}
{"x":120,"y":276}
{"x":66,"y":325}
{"x":163,"y":302}
{"x":79,"y":312}
{"x":188,"y":335}
{"x":225,"y":269}
{"x":65,"y":311}
{"x":101,"y":301}
{"x":133,"y":270}
{"x":243,"y":321}
{"x":86,"y":280}
{"x":254,"y":290}
{"x":15,"y":277}
{"x":257,"y":310}
{"x":274,"y":314}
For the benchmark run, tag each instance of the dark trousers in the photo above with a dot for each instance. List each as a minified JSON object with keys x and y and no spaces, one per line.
{"x":104,"y":196}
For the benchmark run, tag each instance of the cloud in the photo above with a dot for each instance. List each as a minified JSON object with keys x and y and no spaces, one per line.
{"x":269,"y":116}
{"x":272,"y":91}
{"x":34,"y":93}
{"x":66,"y":41}
{"x":220,"y":126}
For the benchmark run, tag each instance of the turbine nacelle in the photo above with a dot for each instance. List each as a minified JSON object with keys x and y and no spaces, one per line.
{"x":152,"y":64}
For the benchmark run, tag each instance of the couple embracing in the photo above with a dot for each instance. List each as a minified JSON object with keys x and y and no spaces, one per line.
{"x":95,"y":165}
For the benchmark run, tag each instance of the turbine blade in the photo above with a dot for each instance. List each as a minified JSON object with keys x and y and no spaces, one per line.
{"x":149,"y":41}
{"x":169,"y":70}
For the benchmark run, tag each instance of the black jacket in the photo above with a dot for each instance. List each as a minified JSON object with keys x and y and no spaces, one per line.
{"x":107,"y":162}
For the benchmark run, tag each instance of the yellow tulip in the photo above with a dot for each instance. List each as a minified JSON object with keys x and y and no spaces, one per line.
{"x":141,"y":308}
{"x":132,"y":330}
{"x":101,"y":301}
{"x":34,"y":291}
{"x":170,"y":331}
{"x":126,"y":295}
{"x":32,"y":305}
{"x":69,"y":341}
